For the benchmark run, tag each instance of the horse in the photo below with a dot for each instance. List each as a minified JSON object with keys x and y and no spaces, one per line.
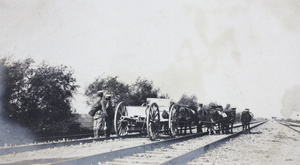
{"x":210,"y":116}
{"x":246,"y":119}
{"x":186,"y":116}
{"x":216,"y":116}
{"x":228,"y":121}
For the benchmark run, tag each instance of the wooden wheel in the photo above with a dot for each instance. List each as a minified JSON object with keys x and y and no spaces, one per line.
{"x":173,"y":120}
{"x":153,"y":121}
{"x":121,"y":126}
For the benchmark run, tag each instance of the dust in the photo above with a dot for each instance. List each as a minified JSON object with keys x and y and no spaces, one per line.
{"x":290,"y":102}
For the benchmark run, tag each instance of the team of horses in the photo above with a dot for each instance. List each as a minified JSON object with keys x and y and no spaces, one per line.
{"x":213,"y":117}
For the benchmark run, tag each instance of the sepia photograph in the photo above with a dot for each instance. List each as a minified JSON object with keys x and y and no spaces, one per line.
{"x":149,"y":82}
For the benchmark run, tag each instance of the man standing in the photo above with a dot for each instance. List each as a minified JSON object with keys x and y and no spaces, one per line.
{"x":110,"y":115}
{"x":200,"y":117}
{"x":99,"y":118}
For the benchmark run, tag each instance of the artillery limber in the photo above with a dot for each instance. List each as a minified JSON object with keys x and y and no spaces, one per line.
{"x":141,"y":118}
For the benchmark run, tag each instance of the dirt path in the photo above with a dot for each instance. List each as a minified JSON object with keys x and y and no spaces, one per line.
{"x":270,"y":143}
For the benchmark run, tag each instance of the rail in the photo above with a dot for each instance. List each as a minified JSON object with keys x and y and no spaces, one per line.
{"x":289,"y":125}
{"x":69,"y":142}
{"x":119,"y":154}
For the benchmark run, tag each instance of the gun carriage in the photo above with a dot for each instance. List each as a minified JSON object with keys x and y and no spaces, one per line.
{"x":141,"y":119}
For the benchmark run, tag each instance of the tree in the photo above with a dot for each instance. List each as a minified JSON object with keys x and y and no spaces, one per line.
{"x":191,"y":101}
{"x":15,"y":79}
{"x":39,"y":97}
{"x":141,"y":90}
{"x":134,"y":94}
{"x":118,"y":90}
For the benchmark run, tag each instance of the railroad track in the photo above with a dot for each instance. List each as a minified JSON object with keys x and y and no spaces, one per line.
{"x":64,"y":141}
{"x":293,"y":126}
{"x":172,"y":151}
{"x":60,"y":143}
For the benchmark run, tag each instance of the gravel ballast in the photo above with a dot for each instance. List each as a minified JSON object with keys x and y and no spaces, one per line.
{"x":270,"y":143}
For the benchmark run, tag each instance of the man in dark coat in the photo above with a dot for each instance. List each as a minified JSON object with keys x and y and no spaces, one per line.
{"x":110,"y":115}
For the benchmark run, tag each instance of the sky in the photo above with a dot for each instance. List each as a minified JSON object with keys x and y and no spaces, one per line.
{"x":245,"y":53}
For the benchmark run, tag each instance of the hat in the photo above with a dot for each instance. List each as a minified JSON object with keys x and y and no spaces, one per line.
{"x":100,"y":93}
{"x":246,"y":109}
{"x":107,"y":96}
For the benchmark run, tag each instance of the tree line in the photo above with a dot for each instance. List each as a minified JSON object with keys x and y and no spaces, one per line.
{"x":132,"y":94}
{"x":38,"y":96}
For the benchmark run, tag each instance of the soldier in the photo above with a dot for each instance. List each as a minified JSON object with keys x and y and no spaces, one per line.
{"x":200,"y":117}
{"x":110,"y":115}
{"x":99,"y":118}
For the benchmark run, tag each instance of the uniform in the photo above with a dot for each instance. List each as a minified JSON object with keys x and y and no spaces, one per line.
{"x":99,"y":118}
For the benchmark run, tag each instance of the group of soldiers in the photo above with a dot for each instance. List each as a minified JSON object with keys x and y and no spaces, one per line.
{"x":104,"y":115}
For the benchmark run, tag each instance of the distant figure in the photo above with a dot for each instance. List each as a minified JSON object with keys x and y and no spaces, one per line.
{"x":99,"y":118}
{"x":200,"y":117}
{"x":110,"y":115}
{"x":246,"y":119}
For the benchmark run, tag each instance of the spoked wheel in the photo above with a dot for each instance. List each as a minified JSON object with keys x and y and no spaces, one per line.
{"x":153,"y":121}
{"x":173,"y":120}
{"x":121,"y":126}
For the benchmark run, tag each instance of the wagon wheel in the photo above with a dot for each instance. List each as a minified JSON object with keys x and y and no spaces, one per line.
{"x":173,"y":120}
{"x":121,"y":128}
{"x":153,"y":121}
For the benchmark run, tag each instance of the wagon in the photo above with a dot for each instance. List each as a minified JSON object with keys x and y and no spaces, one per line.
{"x":142,"y":118}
